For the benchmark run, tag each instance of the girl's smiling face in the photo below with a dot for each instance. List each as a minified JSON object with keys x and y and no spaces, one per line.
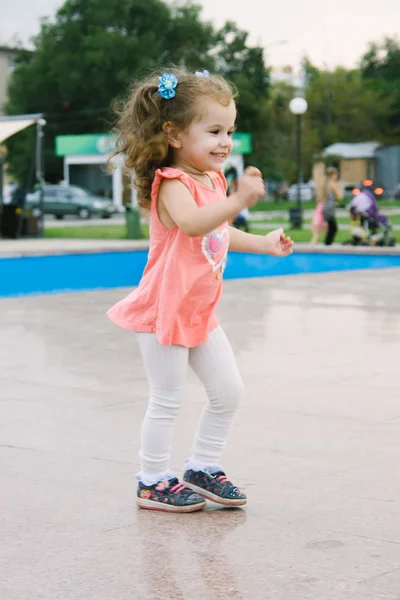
{"x":207,"y":142}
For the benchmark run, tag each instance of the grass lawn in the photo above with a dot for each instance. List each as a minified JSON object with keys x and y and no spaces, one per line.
{"x":118,"y":232}
{"x":98,"y":232}
{"x":304,"y":235}
{"x":394,"y":219}
{"x":264,"y":205}
{"x":104,"y":232}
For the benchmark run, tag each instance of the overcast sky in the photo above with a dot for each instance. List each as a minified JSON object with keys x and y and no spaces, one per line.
{"x":330,"y":33}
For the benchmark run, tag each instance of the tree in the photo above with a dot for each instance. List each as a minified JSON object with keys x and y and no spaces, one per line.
{"x":245,"y":67}
{"x":88,"y":56}
{"x":380,"y":69}
{"x":342,"y":108}
{"x":279,"y":142}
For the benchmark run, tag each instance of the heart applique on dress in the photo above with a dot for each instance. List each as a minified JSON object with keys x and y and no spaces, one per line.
{"x":215,"y":247}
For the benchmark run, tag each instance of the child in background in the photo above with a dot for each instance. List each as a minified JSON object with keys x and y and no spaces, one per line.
{"x":318,"y":223}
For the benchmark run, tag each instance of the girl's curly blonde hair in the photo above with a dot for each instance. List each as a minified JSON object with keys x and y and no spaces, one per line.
{"x":139,"y":127}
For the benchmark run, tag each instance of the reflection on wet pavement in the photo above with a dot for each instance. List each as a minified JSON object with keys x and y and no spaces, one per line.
{"x":314,"y":445}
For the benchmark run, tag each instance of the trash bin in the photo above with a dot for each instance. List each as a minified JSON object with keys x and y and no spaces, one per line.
{"x":30,"y":226}
{"x":295,"y":218}
{"x":14,"y":223}
{"x":132,"y":220}
{"x":10,"y":221}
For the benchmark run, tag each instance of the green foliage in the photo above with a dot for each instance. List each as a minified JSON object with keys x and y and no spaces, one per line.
{"x":380,"y":70}
{"x":342,"y":108}
{"x":245,"y":67}
{"x":88,"y":56}
{"x":344,"y":105}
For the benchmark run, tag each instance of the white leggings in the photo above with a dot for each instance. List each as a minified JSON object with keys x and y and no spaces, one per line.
{"x":166,"y":368}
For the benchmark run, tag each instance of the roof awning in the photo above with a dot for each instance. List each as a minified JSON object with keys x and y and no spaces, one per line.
{"x":8,"y":128}
{"x":11,"y":125}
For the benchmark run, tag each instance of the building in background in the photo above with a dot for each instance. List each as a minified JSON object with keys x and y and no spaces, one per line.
{"x":356,"y":161}
{"x":388,"y":167}
{"x":366,"y":160}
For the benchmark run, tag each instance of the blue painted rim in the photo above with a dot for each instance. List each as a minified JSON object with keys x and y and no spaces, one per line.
{"x":21,"y":276}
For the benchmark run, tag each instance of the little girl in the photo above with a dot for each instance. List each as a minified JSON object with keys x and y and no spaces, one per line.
{"x":175,"y":131}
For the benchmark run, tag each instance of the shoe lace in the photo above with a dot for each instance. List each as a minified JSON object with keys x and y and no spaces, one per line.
{"x":177,"y":487}
{"x":222,"y":478}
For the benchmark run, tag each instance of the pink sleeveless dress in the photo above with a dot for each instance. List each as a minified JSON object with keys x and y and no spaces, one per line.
{"x":182,"y":282}
{"x":318,"y":222}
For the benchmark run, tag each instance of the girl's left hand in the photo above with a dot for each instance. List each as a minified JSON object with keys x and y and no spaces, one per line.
{"x":278,"y":244}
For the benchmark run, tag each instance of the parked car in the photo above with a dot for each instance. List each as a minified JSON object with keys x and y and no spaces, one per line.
{"x":62,"y":200}
{"x":348,"y":189}
{"x":306,"y":192}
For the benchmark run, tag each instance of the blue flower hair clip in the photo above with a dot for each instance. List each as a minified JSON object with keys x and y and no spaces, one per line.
{"x":168,"y":83}
{"x":202,"y":73}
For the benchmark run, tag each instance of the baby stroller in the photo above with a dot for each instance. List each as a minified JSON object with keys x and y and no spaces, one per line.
{"x":368,"y":226}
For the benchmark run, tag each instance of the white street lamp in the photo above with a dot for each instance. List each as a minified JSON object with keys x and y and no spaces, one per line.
{"x":298,"y":107}
{"x":3,"y":156}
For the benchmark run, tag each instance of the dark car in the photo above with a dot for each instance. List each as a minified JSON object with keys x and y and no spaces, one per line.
{"x":62,"y":200}
{"x":371,"y":186}
{"x":348,"y":188}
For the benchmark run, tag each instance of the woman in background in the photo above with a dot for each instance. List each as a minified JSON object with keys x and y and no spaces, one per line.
{"x":333,"y":194}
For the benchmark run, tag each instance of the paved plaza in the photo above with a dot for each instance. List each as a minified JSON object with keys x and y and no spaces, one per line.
{"x":315,"y":445}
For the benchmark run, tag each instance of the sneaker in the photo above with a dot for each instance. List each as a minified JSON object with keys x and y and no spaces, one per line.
{"x":215,"y":487}
{"x":169,"y":496}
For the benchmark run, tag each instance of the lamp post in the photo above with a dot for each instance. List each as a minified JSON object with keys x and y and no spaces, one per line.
{"x":298,"y":107}
{"x":3,"y":156}
{"x":40,"y":123}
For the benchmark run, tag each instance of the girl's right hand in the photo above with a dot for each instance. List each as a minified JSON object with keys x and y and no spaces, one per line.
{"x":251,"y":187}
